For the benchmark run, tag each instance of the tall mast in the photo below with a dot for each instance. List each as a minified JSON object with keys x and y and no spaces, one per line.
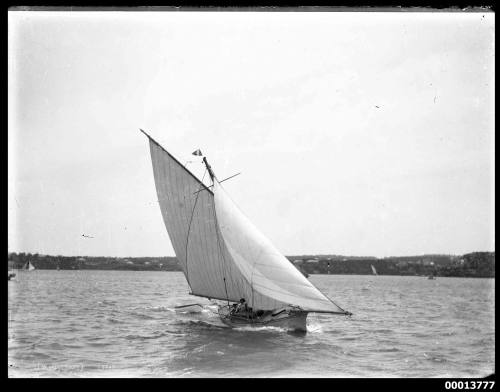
{"x":209,"y":168}
{"x":219,"y":240}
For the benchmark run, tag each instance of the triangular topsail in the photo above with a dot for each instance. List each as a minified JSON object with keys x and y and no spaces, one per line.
{"x":222,"y":255}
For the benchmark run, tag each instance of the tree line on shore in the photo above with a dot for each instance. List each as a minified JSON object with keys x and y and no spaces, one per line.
{"x":476,"y":264}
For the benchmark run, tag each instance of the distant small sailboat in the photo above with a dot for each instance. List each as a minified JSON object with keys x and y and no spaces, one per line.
{"x":28,"y":266}
{"x":225,"y":257}
{"x":374,"y":271}
{"x":431,"y":277}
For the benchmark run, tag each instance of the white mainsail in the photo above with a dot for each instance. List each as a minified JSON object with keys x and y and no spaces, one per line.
{"x":221,"y":253}
{"x":374,"y":270}
{"x":187,"y":207}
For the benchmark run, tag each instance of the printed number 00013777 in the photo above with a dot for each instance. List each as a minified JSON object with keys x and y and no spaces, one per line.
{"x":469,"y":384}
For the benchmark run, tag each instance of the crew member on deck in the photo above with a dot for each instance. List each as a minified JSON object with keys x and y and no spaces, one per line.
{"x":242,"y":306}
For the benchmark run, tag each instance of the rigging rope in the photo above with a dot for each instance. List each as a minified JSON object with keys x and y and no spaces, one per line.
{"x":189,"y":227}
{"x":221,"y":252}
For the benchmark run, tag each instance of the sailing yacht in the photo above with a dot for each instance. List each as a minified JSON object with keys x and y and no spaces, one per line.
{"x":224,"y":257}
{"x":28,"y":266}
{"x":374,"y":271}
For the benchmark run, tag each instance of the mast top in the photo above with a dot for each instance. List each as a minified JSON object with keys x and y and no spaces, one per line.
{"x":209,"y":168}
{"x":176,"y":160}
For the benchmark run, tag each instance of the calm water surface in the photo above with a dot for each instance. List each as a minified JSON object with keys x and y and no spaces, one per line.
{"x":122,"y":324}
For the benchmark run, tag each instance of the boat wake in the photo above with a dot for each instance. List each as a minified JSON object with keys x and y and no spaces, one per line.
{"x":200,"y":323}
{"x":159,"y":308}
{"x":314,"y":327}
{"x":194,"y":309}
{"x":187,"y":310}
{"x":260,"y":328}
{"x":197,"y":315}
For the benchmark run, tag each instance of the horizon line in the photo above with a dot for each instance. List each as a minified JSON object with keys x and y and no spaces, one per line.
{"x":292,"y":255}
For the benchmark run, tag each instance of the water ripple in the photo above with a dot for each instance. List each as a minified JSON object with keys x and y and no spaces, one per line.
{"x":87,"y":324}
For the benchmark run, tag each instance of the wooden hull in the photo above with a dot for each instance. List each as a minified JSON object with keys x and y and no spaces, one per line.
{"x":290,"y":320}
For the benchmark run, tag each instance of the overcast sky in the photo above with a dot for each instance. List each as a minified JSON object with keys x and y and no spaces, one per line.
{"x":356,"y":133}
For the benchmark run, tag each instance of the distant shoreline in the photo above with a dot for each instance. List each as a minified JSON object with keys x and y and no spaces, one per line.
{"x":476,"y":264}
{"x":319,"y":274}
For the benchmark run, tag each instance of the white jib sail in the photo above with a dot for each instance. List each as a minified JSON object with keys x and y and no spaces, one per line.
{"x":270,"y":274}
